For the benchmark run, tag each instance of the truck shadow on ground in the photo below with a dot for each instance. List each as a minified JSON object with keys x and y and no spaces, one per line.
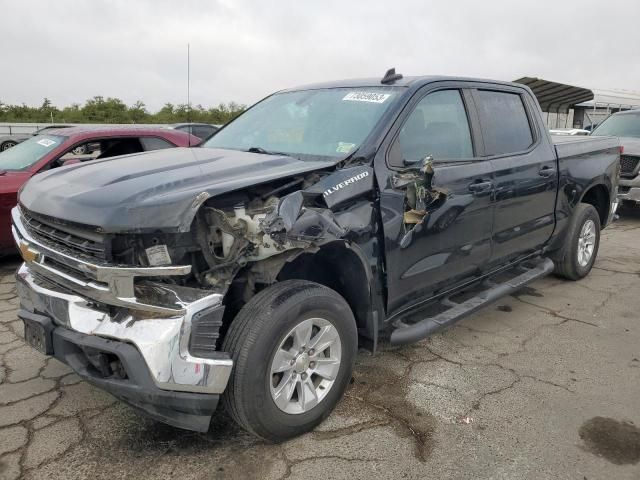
{"x":379,"y":392}
{"x":629,"y":213}
{"x":375,"y":399}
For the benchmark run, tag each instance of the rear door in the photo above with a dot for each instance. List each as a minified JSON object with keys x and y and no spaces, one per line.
{"x":427,"y":253}
{"x":524,"y":166}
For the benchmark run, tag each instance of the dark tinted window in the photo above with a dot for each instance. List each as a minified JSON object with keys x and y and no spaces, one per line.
{"x":438,"y":126}
{"x":154,"y":143}
{"x":203,"y":131}
{"x":113,"y":147}
{"x":504,"y":121}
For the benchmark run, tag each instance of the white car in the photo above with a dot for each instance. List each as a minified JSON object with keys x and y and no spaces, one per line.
{"x":569,"y":131}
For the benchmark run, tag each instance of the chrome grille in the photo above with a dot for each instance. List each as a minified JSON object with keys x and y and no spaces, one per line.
{"x":56,"y":237}
{"x":628,"y":165}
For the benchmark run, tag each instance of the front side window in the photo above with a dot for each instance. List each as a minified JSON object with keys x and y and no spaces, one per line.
{"x":29,"y":152}
{"x":437,"y":127}
{"x":504,"y":122}
{"x":80,"y":153}
{"x":330,"y":122}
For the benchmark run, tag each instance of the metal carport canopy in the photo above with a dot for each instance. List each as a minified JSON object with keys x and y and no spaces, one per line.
{"x":556,"y":97}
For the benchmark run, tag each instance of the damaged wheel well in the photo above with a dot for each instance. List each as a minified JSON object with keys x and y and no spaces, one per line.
{"x":338,"y":267}
{"x":333,"y":265}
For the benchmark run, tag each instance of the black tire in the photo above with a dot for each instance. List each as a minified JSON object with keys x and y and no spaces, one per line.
{"x":79,"y":150}
{"x":7,"y":145}
{"x":252,"y":340}
{"x":567,"y":265}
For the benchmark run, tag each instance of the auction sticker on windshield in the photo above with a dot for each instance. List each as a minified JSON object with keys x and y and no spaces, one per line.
{"x":344,"y":147}
{"x":46,"y":142}
{"x":370,"y":97}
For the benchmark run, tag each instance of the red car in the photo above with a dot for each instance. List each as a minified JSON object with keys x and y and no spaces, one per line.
{"x":64,"y":146}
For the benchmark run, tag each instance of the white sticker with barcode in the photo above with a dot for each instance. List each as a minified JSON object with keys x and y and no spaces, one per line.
{"x":158,"y":255}
{"x":370,"y":97}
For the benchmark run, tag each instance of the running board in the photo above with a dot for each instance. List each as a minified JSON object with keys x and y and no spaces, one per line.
{"x":404,"y":333}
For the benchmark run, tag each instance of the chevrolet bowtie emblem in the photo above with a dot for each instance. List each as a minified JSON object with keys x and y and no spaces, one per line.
{"x":27,"y":254}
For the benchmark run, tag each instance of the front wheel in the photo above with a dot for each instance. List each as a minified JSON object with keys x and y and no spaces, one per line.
{"x":581,"y":244}
{"x":7,"y":145}
{"x":293,"y":347}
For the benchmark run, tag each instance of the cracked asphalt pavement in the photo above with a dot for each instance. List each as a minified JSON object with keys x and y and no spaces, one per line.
{"x":543,"y":384}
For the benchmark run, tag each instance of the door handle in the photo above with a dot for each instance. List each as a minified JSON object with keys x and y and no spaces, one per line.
{"x":480,"y":187}
{"x":547,"y":172}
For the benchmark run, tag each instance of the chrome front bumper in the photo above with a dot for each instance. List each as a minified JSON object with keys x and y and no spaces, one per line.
{"x":631,"y":195}
{"x":629,"y":189}
{"x":160,"y":331}
{"x":104,"y":283}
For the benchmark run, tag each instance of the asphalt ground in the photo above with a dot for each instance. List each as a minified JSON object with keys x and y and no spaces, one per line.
{"x":542,"y":384}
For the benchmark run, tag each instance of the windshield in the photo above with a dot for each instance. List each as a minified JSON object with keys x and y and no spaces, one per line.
{"x":627,"y":125}
{"x":25,"y":154}
{"x":326,"y":122}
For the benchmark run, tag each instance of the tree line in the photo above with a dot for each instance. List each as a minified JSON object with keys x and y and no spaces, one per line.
{"x":113,"y":110}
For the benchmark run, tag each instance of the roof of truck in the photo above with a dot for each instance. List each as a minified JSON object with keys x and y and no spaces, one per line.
{"x":410,"y":81}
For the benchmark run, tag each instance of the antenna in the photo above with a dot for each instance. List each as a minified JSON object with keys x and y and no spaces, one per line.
{"x":390,"y":77}
{"x":189,"y":91}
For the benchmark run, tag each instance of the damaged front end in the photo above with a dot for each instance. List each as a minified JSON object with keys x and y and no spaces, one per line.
{"x":141,"y":314}
{"x":262,"y":228}
{"x":124,"y":328}
{"x":422,"y":197}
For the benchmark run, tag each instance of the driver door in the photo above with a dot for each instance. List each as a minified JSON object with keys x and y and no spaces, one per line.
{"x":452,"y":240}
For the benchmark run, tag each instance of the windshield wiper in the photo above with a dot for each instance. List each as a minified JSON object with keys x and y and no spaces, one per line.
{"x":262,"y":151}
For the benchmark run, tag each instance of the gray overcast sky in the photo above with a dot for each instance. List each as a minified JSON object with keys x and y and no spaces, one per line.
{"x":241,"y":50}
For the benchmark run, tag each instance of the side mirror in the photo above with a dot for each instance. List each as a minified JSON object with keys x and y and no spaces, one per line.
{"x":425,"y":165}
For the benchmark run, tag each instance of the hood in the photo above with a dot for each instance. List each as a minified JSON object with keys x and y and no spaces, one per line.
{"x":154,"y":190}
{"x":11,"y":181}
{"x":631,"y":145}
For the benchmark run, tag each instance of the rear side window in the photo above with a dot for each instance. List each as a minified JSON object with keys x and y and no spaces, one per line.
{"x":154,"y":143}
{"x":437,"y":126}
{"x":504,"y":122}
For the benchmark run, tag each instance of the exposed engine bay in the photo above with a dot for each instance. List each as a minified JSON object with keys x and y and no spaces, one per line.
{"x":275,"y":221}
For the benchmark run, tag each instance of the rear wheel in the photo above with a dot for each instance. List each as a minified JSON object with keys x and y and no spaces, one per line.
{"x":80,"y":150}
{"x":293,"y":347}
{"x":582,"y":242}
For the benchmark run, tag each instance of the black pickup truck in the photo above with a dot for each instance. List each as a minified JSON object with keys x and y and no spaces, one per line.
{"x":249,"y":270}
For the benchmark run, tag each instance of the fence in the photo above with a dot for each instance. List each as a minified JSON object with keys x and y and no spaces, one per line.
{"x":29,"y":128}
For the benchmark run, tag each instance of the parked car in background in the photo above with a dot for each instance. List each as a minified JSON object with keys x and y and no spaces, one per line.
{"x":569,"y":131}
{"x":200,"y":130}
{"x":626,"y":126}
{"x":8,"y":141}
{"x":63,"y":146}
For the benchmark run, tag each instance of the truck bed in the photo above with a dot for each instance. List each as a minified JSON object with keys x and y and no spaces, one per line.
{"x":571,"y":146}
